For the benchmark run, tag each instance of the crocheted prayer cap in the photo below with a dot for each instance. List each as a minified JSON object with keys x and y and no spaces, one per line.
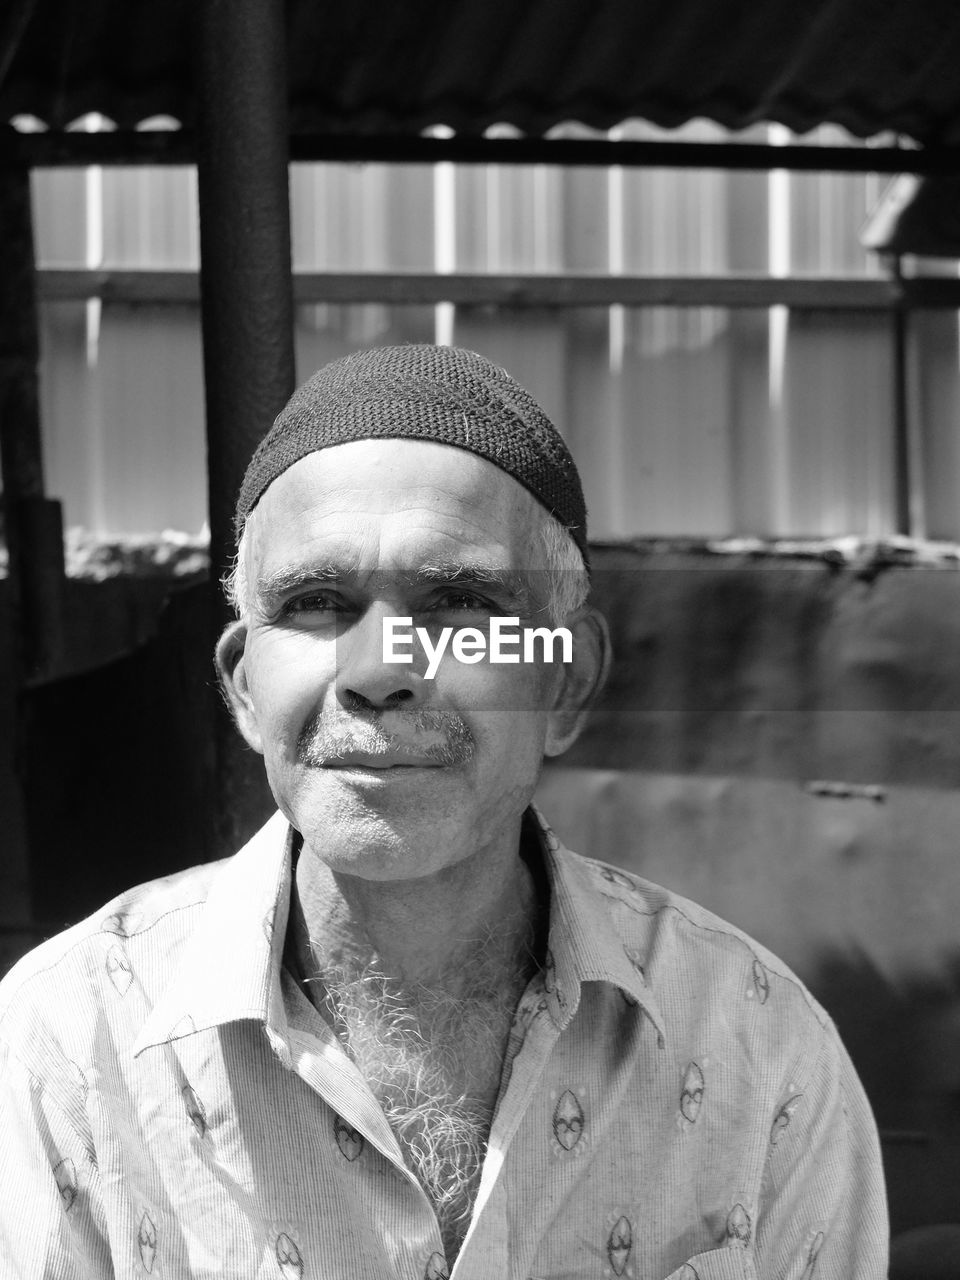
{"x":421,"y":392}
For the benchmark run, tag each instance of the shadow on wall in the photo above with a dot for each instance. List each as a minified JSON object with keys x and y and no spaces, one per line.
{"x":905,"y":1042}
{"x":117,"y":764}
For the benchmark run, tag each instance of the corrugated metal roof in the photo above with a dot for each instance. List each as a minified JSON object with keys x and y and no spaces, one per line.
{"x":400,"y":65}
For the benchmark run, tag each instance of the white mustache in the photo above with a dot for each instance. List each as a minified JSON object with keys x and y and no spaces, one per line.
{"x":441,"y":737}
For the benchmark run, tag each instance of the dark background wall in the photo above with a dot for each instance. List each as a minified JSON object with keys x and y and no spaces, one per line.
{"x":779,"y":741}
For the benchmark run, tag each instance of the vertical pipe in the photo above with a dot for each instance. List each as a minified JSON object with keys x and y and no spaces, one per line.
{"x":246,"y":307}
{"x":902,"y":452}
{"x":779,"y":242}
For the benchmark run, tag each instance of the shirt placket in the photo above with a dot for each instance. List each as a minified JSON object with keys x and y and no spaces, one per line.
{"x":487,"y":1249}
{"x":411,"y":1240}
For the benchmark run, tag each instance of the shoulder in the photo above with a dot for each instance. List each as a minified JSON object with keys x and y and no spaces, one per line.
{"x":710,"y":979}
{"x":54,"y":993}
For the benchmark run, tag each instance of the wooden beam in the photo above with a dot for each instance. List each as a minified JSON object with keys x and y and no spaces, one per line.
{"x":32,"y":637}
{"x":156,"y":287}
{"x":33,"y":522}
{"x":150,"y":287}
{"x":646,"y":153}
{"x":58,"y":148}
{"x":73,"y":149}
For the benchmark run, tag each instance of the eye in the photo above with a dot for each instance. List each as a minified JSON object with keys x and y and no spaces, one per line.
{"x":313,"y":602}
{"x":459,"y":600}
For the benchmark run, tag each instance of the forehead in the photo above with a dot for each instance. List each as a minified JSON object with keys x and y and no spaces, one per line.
{"x":393,"y":503}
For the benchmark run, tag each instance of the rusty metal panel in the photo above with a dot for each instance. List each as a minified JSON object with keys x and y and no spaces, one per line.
{"x":791,"y":666}
{"x":780,"y":741}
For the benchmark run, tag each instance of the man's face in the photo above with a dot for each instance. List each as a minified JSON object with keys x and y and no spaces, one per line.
{"x":389,"y":775}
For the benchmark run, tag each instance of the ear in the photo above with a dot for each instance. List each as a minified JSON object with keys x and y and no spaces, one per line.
{"x":230,"y":658}
{"x":580,"y":681}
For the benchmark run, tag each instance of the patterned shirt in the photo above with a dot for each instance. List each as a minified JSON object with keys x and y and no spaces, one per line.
{"x":676,"y":1104}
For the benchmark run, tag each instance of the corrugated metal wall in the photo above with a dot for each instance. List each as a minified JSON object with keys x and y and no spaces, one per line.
{"x":684,"y":421}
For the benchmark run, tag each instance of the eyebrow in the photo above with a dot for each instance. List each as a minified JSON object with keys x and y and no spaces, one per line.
{"x":271,"y":587}
{"x":510,"y":583}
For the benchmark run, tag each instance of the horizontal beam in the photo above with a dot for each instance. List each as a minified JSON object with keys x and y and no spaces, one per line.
{"x":58,"y":148}
{"x":537,"y":290}
{"x":629,"y":153}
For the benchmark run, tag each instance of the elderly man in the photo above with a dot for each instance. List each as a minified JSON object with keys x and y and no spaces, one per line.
{"x":404,"y":1032}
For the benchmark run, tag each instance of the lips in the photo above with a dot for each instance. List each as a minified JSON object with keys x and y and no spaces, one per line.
{"x":379,"y":760}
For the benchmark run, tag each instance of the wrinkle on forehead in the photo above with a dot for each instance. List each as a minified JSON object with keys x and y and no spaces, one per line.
{"x":430,"y":498}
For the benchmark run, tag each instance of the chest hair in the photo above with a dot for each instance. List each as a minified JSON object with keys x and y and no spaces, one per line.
{"x":433,"y":1060}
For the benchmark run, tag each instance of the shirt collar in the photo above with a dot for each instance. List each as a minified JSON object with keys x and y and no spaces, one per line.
{"x":584,"y":945}
{"x":229,"y":969}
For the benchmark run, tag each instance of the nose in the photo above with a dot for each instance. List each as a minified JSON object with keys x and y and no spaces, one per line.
{"x":363,"y":677}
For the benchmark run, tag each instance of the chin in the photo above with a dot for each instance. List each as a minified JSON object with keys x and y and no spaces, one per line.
{"x":376,"y":846}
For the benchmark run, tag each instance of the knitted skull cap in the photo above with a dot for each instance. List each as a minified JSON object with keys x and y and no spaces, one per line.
{"x":421,"y":392}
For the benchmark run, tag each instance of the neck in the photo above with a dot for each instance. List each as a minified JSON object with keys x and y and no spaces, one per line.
{"x":418,"y":931}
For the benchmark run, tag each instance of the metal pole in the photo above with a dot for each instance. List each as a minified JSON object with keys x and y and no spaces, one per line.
{"x":902,"y":452}
{"x":246,"y":308}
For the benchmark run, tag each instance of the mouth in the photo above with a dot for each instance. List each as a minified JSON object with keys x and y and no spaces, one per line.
{"x":378,"y":761}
